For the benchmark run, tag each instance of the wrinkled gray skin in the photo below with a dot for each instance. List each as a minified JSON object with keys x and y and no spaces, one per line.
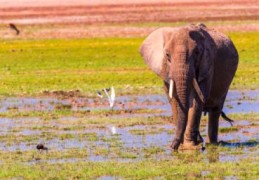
{"x":200,"y":63}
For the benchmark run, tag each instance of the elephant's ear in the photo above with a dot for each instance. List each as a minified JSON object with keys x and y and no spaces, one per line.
{"x":152,"y":49}
{"x":205,"y":53}
{"x":207,"y":58}
{"x":206,"y":68}
{"x":206,"y":64}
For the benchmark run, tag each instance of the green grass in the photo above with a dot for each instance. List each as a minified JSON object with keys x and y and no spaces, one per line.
{"x":86,"y":64}
{"x":247,"y":45}
{"x":28,"y":67}
{"x":177,"y":168}
{"x":228,"y":129}
{"x":245,"y":116}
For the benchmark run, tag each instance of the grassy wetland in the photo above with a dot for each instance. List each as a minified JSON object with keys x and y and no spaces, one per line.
{"x":48,"y":95}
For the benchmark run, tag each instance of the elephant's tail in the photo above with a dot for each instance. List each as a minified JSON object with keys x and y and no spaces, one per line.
{"x":224,"y":116}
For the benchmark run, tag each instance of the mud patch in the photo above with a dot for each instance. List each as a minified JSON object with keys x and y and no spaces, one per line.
{"x":62,"y":94}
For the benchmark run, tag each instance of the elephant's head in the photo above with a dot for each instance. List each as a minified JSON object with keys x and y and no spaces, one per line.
{"x":180,"y":56}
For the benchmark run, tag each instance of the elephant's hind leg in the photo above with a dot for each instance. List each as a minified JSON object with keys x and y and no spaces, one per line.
{"x":214,"y":115}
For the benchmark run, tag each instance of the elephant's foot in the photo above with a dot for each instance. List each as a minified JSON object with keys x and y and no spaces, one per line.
{"x":175,"y":144}
{"x":215,"y":143}
{"x":192,"y":141}
{"x":190,"y":145}
{"x":212,"y":141}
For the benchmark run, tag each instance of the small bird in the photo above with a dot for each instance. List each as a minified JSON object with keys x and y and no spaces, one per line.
{"x":41,"y":147}
{"x":111,"y":97}
{"x":12,"y":26}
{"x":99,"y":94}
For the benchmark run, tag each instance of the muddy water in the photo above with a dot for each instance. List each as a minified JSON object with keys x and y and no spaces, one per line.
{"x":123,"y":144}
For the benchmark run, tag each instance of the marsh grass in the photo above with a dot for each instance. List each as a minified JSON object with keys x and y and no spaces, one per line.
{"x":101,"y":151}
{"x":146,"y":131}
{"x":50,"y":133}
{"x":63,"y":110}
{"x":28,"y":67}
{"x":81,"y":122}
{"x":128,"y":155}
{"x":228,"y":129}
{"x":244,"y":116}
{"x":144,"y":169}
{"x":153,"y":150}
{"x":35,"y":155}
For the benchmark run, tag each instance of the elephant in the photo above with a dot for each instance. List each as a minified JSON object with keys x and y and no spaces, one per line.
{"x":197,"y":65}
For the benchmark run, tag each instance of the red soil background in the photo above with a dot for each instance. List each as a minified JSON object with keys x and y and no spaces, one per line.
{"x":125,"y":18}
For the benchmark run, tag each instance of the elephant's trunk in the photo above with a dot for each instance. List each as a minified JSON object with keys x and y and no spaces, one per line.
{"x":183,"y":77}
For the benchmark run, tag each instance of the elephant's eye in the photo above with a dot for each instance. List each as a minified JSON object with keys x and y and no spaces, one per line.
{"x":168,"y":57}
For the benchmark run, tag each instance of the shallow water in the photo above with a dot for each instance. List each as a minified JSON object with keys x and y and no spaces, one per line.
{"x":134,"y":139}
{"x":29,"y":104}
{"x":236,"y":102}
{"x":109,"y":178}
{"x":130,"y":144}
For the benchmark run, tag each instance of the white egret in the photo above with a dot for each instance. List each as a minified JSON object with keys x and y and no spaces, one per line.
{"x":111,"y":97}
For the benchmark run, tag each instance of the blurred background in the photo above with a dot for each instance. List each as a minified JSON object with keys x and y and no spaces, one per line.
{"x":121,"y":18}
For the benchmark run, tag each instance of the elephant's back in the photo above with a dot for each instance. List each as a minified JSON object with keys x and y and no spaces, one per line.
{"x":226,"y":50}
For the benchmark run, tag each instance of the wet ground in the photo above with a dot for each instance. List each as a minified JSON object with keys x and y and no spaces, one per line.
{"x":124,"y":144}
{"x":110,"y":141}
{"x":236,"y":102}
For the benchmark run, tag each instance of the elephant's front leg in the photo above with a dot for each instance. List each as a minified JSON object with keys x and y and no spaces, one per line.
{"x":192,"y":133}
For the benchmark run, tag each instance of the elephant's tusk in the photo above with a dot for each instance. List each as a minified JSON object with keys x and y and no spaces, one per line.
{"x":171,"y":88}
{"x":198,"y":90}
